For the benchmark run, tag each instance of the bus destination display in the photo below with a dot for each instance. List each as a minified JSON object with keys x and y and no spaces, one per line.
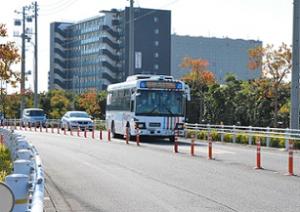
{"x":161,"y":85}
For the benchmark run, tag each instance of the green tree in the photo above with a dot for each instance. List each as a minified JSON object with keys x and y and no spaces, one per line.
{"x":275,"y":64}
{"x":59,"y":104}
{"x":199,"y":78}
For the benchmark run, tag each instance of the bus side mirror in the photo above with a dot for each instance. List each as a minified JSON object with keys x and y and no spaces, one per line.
{"x":131,"y":106}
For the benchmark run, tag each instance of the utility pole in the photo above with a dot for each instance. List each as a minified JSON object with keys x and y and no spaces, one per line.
{"x":131,"y":39}
{"x":35,"y":55}
{"x":294,"y":115}
{"x":23,"y":36}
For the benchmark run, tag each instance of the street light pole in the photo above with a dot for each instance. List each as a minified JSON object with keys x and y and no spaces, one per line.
{"x":294,"y":114}
{"x":131,"y":39}
{"x":22,"y":87}
{"x":35,"y":56}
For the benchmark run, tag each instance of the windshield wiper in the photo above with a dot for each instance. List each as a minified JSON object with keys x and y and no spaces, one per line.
{"x":152,"y":111}
{"x":168,"y":109}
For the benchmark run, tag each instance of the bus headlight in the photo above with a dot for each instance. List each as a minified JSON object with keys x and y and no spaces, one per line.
{"x":141,"y":125}
{"x":179,"y":126}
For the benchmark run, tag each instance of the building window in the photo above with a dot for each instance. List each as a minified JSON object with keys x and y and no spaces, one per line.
{"x":156,"y":31}
{"x":156,"y":55}
{"x":155,"y":19}
{"x":156,"y":66}
{"x":156,"y":43}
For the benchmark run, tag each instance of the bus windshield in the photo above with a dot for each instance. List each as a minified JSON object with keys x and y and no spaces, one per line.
{"x":159,"y":103}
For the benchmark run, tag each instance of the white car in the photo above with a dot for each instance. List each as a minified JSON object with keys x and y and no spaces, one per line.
{"x":77,"y":120}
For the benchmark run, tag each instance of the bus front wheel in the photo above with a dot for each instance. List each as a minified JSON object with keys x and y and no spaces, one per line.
{"x":172,"y":138}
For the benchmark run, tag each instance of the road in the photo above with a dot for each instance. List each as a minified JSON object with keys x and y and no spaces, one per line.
{"x":83,"y":174}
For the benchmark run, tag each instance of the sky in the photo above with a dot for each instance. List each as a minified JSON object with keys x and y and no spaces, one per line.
{"x":267,"y":20}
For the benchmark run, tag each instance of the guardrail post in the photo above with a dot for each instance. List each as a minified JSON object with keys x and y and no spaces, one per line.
{"x":19,"y":185}
{"x":250,"y":136}
{"x":234,"y":134}
{"x":78,"y":131}
{"x":193,"y":145}
{"x":46,"y":127}
{"x":287,"y":130}
{"x":290,"y":163}
{"x":65,"y":131}
{"x":71,"y":130}
{"x":58,"y":132}
{"x":222,"y":133}
{"x":41,"y":127}
{"x":52,"y":128}
{"x":258,"y":148}
{"x":268,"y":137}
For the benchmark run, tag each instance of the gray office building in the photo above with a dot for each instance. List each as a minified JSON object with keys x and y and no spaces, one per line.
{"x":93,"y":53}
{"x":224,"y":55}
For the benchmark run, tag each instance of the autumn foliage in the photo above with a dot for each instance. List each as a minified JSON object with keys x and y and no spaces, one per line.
{"x":89,"y":102}
{"x":199,"y":72}
{"x":8,"y":56}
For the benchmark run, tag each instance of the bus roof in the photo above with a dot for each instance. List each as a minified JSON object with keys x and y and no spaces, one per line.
{"x":132,"y":81}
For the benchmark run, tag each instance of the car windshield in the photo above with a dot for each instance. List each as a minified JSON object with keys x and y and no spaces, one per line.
{"x":36,"y":113}
{"x":79,"y":115}
{"x":159,"y":103}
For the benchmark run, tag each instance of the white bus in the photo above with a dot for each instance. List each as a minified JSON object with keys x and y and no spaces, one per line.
{"x":153,"y":103}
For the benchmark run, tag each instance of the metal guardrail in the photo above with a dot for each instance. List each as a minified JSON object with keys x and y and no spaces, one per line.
{"x":27,"y":179}
{"x":262,"y":132}
{"x":49,"y":123}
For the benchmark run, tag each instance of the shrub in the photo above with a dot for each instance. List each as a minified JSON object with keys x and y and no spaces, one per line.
{"x":228,"y":138}
{"x":215,"y":136}
{"x":5,"y":162}
{"x":242,"y":139}
{"x":274,"y":142}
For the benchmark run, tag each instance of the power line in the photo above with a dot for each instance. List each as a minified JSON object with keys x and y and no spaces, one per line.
{"x":58,"y":9}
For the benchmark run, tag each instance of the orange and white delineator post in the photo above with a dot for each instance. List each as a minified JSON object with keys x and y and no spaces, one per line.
{"x":93,"y":133}
{"x":193,"y":145}
{"x":127,"y":135}
{"x":290,"y":161}
{"x":85,"y":132}
{"x":108,"y":135}
{"x":138,"y":136}
{"x":100,"y":135}
{"x":209,"y":147}
{"x":258,"y":151}
{"x":78,"y":131}
{"x":176,"y":141}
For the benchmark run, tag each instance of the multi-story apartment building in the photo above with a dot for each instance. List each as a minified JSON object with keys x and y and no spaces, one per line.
{"x":93,"y":53}
{"x":224,"y":55}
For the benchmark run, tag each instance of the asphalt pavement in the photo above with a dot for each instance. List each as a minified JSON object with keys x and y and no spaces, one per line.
{"x":85,"y":174}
